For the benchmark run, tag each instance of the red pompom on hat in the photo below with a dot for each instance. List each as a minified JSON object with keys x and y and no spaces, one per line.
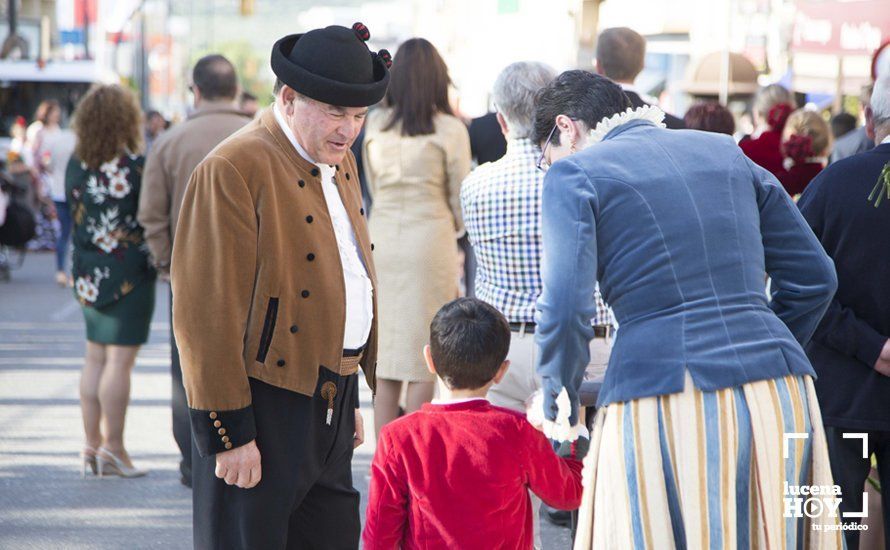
{"x":362,"y":31}
{"x":386,"y":57}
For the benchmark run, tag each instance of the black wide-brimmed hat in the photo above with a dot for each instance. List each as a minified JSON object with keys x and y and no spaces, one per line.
{"x":333,"y":65}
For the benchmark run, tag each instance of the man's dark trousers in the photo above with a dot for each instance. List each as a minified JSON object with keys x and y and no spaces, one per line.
{"x":306,"y":499}
{"x":182,"y":431}
{"x":850,"y":471}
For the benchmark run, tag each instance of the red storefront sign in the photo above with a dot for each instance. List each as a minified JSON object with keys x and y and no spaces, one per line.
{"x":84,"y":10}
{"x":841,"y":26}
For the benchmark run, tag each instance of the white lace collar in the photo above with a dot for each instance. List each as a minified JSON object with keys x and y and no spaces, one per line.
{"x":649,"y":113}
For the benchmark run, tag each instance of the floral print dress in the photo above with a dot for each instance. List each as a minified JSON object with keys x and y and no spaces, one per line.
{"x":111,"y":258}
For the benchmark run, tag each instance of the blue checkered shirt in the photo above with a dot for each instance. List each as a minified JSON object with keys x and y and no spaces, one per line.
{"x":501,"y":204}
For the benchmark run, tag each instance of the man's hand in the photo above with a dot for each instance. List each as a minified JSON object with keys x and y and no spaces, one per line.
{"x":882,"y":365}
{"x":240,"y":466}
{"x":359,"y":429}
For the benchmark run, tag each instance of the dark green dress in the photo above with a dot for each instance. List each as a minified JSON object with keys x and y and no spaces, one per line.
{"x":113,"y":278}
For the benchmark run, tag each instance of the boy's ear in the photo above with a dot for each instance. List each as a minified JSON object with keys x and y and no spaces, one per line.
{"x":501,"y":372}
{"x":428,"y":357}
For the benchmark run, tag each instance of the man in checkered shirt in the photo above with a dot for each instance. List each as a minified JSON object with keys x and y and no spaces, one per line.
{"x":501,"y":204}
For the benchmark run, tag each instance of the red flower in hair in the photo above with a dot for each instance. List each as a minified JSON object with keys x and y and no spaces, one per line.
{"x":798,"y":148}
{"x":778,"y":115}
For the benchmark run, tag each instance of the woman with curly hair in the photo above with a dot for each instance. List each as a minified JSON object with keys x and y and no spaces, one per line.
{"x":113,"y":278}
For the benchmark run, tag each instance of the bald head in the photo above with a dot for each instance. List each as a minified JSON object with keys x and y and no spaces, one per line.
{"x":215,"y":78}
{"x":620,"y":54}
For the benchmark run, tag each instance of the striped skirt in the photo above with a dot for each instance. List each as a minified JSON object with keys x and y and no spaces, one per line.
{"x":707,"y":470}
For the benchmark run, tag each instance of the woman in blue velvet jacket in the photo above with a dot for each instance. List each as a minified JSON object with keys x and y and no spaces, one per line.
{"x":708,"y":421}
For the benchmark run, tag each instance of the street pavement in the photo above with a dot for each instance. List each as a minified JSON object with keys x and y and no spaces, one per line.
{"x":44,"y":502}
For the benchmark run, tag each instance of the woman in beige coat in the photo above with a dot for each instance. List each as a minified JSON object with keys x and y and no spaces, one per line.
{"x":416,"y":154}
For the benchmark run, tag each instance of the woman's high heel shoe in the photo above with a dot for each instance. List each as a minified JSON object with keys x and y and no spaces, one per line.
{"x":88,"y":457}
{"x":108,"y":464}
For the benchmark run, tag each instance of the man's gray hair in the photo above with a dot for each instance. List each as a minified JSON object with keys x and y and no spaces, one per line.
{"x":514,"y":94}
{"x":880,"y":101}
{"x":770,"y":96}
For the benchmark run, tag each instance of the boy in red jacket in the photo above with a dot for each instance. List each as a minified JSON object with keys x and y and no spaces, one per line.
{"x":457,"y":473}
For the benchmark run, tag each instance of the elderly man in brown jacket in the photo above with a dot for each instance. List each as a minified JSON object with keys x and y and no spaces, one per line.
{"x":168,"y":168}
{"x":274,"y":305}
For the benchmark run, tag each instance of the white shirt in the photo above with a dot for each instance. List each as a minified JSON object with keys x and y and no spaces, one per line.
{"x":359,"y":292}
{"x":885,"y":140}
{"x":58,"y":144}
{"x":455,"y":400}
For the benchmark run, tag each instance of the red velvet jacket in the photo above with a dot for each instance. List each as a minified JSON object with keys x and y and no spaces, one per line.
{"x":796,"y":179}
{"x":766,"y":151}
{"x":458,"y":475}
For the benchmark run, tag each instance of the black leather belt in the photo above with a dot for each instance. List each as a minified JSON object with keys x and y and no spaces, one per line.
{"x":599,"y":331}
{"x":602,"y":331}
{"x":517,"y":327}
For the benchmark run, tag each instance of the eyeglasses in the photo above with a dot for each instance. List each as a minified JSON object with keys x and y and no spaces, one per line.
{"x":542,"y":163}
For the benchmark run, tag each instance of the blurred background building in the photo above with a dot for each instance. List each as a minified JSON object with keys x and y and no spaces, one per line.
{"x":822,"y":49}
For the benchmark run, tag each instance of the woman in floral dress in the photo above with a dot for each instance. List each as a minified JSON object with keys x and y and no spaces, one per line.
{"x":113,"y":278}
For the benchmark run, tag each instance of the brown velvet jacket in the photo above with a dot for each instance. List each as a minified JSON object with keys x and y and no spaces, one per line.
{"x":258,"y":286}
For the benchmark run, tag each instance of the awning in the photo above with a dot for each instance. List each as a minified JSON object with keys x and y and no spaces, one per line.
{"x":704,"y":79}
{"x":87,"y":71}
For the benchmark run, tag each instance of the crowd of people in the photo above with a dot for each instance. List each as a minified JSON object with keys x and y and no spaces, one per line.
{"x":577,"y":207}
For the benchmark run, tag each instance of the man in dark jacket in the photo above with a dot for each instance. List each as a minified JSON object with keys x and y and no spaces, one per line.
{"x":850,"y":350}
{"x":167,"y":170}
{"x":620,"y":57}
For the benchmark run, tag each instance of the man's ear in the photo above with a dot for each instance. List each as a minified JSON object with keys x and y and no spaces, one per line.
{"x":598,"y":68}
{"x":502,"y":122}
{"x":288,"y":97}
{"x":870,"y":123}
{"x":501,"y":372}
{"x":428,"y":357}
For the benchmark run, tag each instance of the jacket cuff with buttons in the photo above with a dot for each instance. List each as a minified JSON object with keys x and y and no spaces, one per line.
{"x":219,"y":431}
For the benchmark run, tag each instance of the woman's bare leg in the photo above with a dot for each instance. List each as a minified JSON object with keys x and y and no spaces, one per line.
{"x":114,"y":395}
{"x":90,"y":408}
{"x":418,"y":394}
{"x":386,"y":403}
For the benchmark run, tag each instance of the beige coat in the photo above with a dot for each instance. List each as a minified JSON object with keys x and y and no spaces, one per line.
{"x":415,"y":221}
{"x":257,"y":280}
{"x":174,"y":155}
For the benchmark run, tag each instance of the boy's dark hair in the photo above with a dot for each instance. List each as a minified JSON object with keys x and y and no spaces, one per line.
{"x":469,"y":341}
{"x":580,"y":95}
